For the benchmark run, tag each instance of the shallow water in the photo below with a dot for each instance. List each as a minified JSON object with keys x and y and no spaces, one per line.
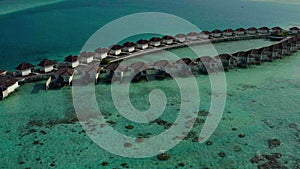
{"x":262,"y":103}
{"x":39,"y":128}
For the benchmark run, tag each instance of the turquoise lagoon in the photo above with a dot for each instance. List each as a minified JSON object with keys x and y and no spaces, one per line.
{"x":39,"y":128}
{"x":262,"y":103}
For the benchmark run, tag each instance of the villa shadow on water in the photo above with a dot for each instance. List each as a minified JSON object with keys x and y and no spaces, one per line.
{"x":38,"y":87}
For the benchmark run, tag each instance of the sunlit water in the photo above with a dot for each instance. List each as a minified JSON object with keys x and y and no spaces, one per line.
{"x":39,"y":130}
{"x":262,"y":103}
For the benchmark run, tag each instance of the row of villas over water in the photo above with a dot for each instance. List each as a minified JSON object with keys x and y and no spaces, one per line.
{"x":156,"y":42}
{"x":237,"y":32}
{"x":131,"y":48}
{"x":184,"y":67}
{"x":25,"y":69}
{"x":268,"y":53}
{"x":61,"y":73}
{"x":161,"y":69}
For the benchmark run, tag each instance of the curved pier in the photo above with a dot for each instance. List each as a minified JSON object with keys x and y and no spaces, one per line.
{"x":60,"y":74}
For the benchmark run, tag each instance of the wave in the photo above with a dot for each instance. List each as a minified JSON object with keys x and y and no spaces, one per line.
{"x":10,"y":6}
{"x":294,"y":2}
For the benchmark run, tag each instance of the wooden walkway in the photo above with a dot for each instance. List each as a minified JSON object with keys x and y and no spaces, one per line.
{"x":186,"y":44}
{"x":36,"y":77}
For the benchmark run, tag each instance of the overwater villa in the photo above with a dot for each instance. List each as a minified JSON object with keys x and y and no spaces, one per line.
{"x":180,"y":37}
{"x":116,"y":71}
{"x":142,"y":44}
{"x":216,"y":33}
{"x":24,"y":69}
{"x":250,"y":59}
{"x":292,"y":46}
{"x":251,"y":31}
{"x":294,"y":30}
{"x":115,"y":50}
{"x":285,"y":49}
{"x":254,"y":57}
{"x":228,"y":61}
{"x":274,"y":52}
{"x":72,"y":61}
{"x":90,"y":73}
{"x":7,"y":86}
{"x":266,"y":53}
{"x":63,"y":76}
{"x":286,"y":45}
{"x":242,"y":59}
{"x":277,"y":33}
{"x":101,"y":53}
{"x":240,"y":31}
{"x":162,"y":67}
{"x":204,"y":35}
{"x":129,"y":47}
{"x":139,"y":69}
{"x":186,"y":67}
{"x":47,"y":65}
{"x":228,"y":32}
{"x":277,"y":29}
{"x":192,"y":36}
{"x":155,"y":41}
{"x":264,"y":30}
{"x":210,"y":64}
{"x":168,"y":39}
{"x":282,"y":50}
{"x":87,"y":57}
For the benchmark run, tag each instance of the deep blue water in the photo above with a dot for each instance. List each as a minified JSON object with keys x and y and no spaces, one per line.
{"x":57,"y":29}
